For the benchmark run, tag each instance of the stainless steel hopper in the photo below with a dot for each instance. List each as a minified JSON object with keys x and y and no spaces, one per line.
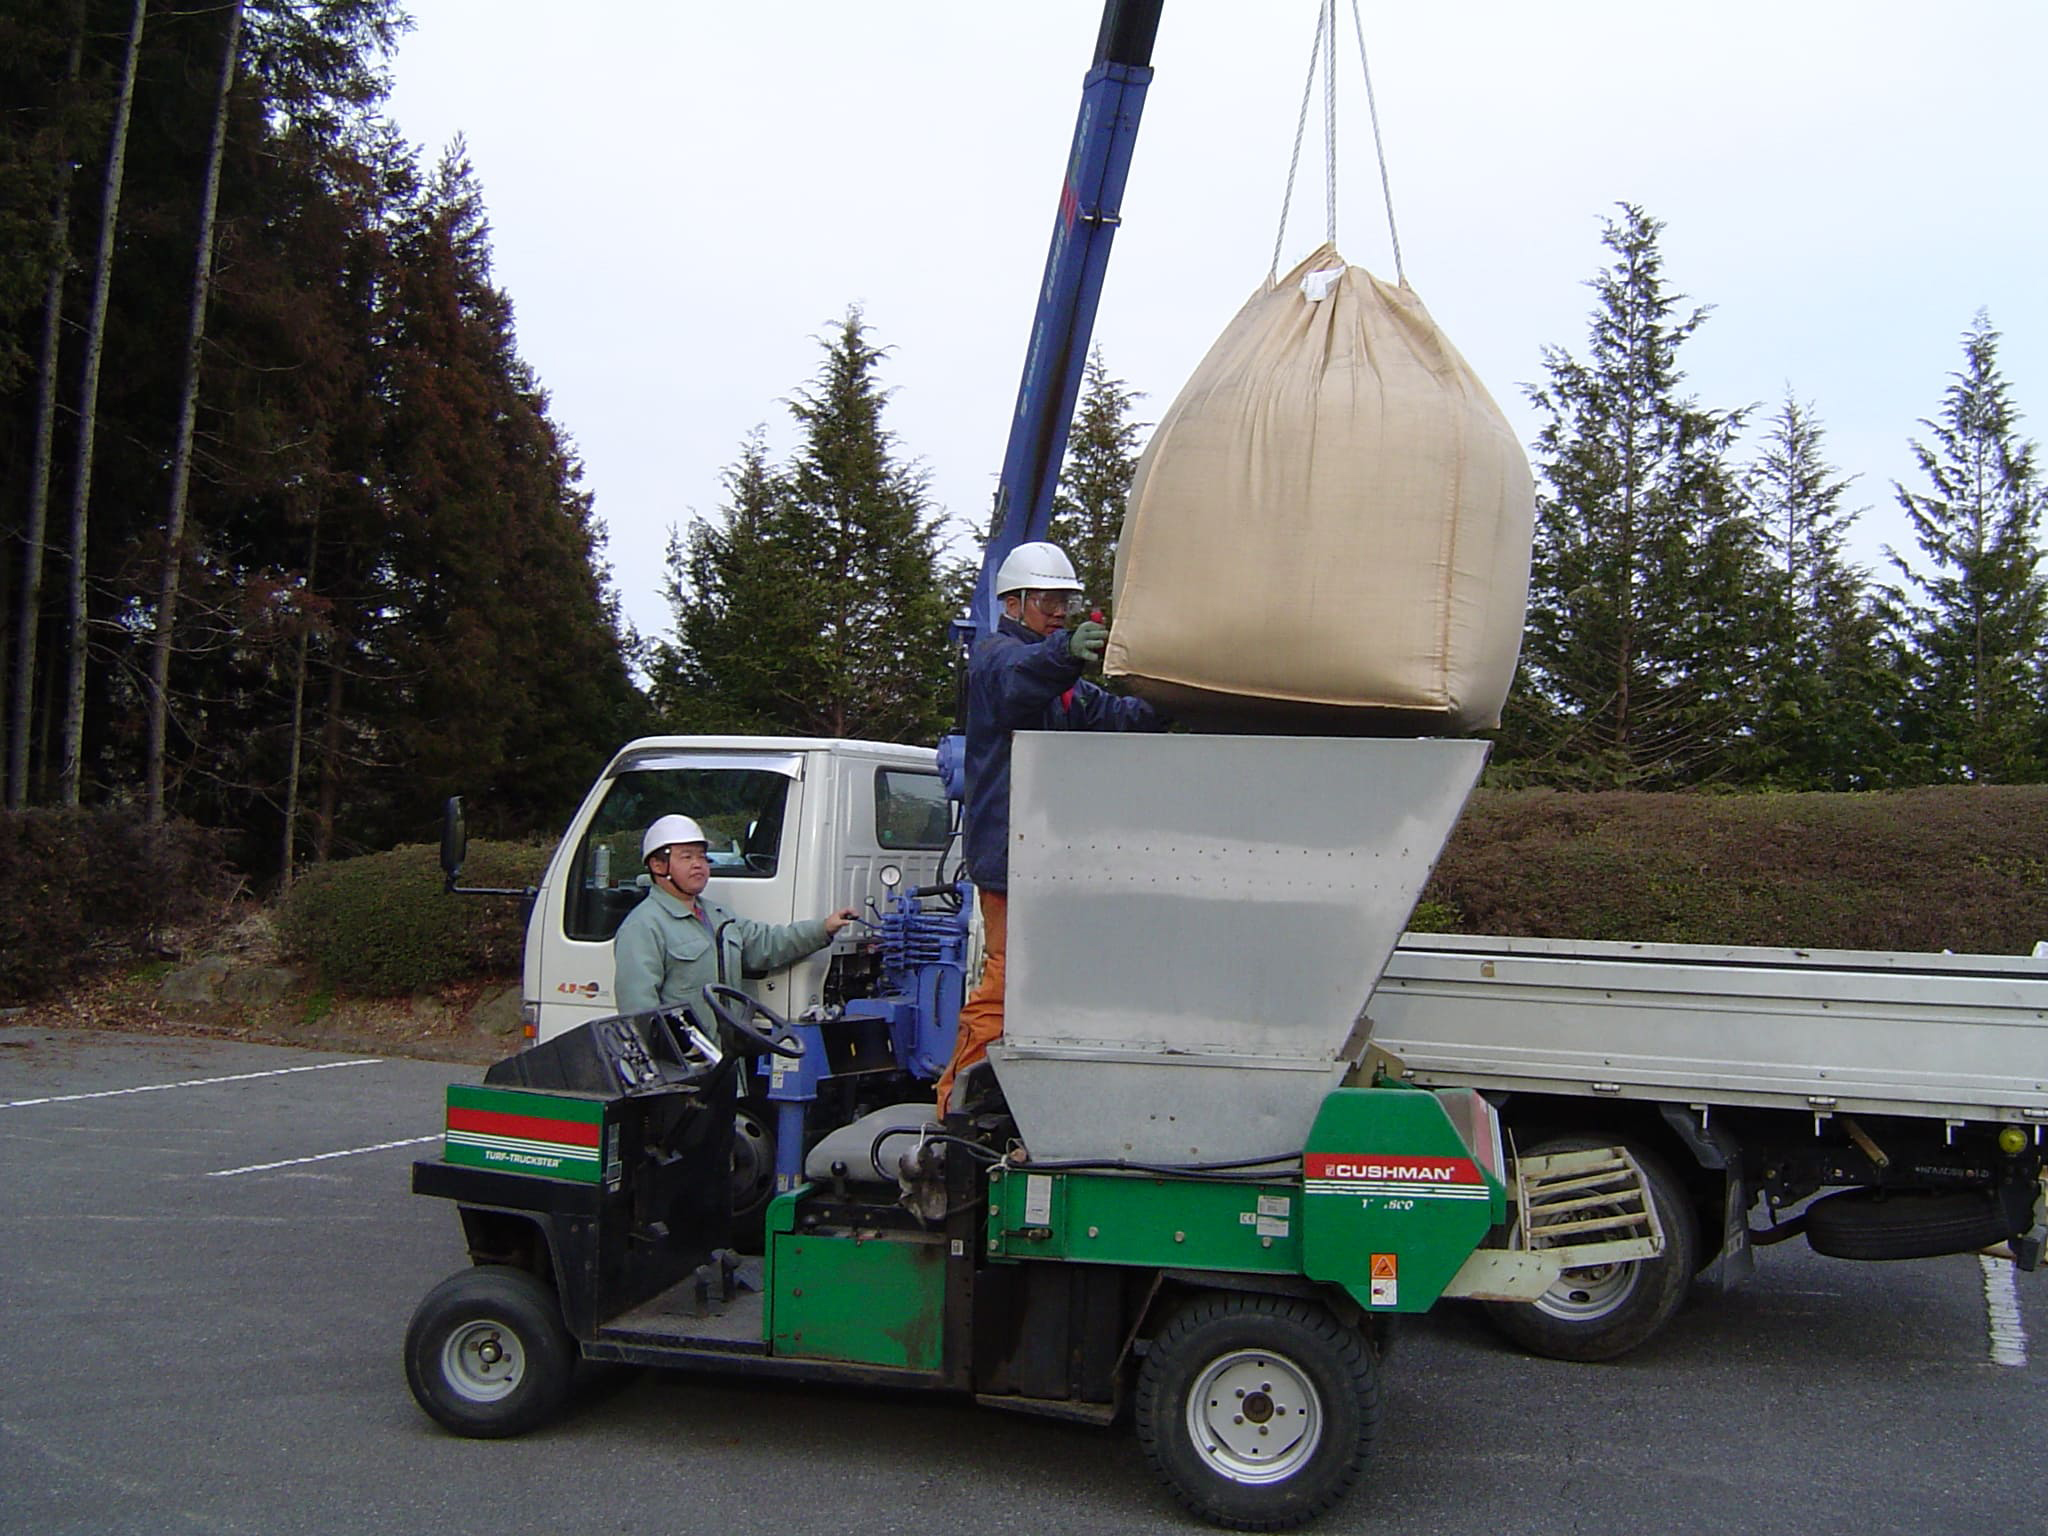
{"x":1195,"y":926}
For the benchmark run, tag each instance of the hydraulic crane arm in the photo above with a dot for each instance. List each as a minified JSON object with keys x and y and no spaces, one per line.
{"x":1091,"y":199}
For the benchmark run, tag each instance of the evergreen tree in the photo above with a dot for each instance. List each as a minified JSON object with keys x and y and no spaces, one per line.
{"x":729,"y":586}
{"x":1095,"y":481}
{"x":389,"y":581}
{"x":1973,"y":641}
{"x":1647,"y":603}
{"x":817,"y":604}
{"x":1829,"y":696}
{"x":511,"y":680}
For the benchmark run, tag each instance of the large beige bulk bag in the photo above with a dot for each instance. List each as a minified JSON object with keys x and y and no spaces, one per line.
{"x":1329,"y":530}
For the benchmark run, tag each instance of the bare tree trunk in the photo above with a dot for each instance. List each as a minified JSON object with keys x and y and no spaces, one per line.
{"x":72,"y":771}
{"x":288,"y":858}
{"x":28,"y":620}
{"x":330,"y":763}
{"x":181,"y":456}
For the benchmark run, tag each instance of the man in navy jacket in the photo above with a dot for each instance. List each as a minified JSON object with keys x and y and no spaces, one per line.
{"x":1026,"y":676}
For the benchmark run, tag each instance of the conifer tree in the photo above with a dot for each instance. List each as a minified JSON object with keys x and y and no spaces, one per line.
{"x":817,"y":604}
{"x":1974,"y":637}
{"x":1829,"y":695}
{"x":1095,"y":481}
{"x":508,"y":668}
{"x":733,"y":665}
{"x":873,"y":535}
{"x":1645,"y":613}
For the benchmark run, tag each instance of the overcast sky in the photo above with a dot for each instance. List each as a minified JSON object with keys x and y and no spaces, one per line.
{"x":685,"y":195}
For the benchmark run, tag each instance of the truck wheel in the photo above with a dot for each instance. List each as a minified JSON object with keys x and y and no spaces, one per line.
{"x":1606,"y":1310}
{"x":1257,"y":1411}
{"x":753,"y":1173}
{"x":487,"y":1355}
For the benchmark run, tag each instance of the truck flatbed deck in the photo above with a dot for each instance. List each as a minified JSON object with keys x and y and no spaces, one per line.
{"x":1936,"y":1036}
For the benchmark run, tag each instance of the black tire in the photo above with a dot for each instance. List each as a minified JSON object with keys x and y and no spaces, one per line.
{"x":486,"y":1354}
{"x":1292,"y":1367}
{"x":1908,"y":1224}
{"x":753,"y":1172}
{"x":1600,"y":1313}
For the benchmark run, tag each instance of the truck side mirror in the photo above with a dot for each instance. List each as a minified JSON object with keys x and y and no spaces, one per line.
{"x":454,"y":840}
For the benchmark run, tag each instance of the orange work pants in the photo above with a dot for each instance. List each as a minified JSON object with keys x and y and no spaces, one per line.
{"x":981,"y":1016}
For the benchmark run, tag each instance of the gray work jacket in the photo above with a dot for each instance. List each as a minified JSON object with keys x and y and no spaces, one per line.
{"x":664,"y":954}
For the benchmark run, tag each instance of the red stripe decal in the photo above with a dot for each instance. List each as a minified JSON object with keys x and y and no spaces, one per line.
{"x":1391,"y":1168}
{"x":568,"y":1133}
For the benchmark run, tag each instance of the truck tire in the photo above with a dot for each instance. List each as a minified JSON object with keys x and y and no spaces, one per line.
{"x":1908,"y":1224}
{"x":753,"y":1172}
{"x":1602,"y":1312}
{"x":487,"y":1355}
{"x":1257,"y":1411}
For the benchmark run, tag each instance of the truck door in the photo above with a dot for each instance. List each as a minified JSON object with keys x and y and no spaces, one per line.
{"x":749,"y":804}
{"x":896,"y":814}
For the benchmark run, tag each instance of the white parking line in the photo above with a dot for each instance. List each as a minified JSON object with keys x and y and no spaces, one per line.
{"x":2002,"y":1303}
{"x":190,"y":1082}
{"x":321,"y":1157}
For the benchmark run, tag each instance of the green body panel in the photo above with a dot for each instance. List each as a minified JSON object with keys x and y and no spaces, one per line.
{"x":1398,"y":1188}
{"x":875,"y":1299}
{"x":548,"y":1135}
{"x":1144,"y":1219}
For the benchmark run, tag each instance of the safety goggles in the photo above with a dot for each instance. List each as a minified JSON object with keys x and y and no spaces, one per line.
{"x":1056,"y":602}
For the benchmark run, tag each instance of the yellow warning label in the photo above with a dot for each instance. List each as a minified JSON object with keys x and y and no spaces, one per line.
{"x":1383,"y":1266}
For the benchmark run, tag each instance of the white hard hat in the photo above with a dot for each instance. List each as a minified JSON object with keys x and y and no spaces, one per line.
{"x":670,"y":829}
{"x":1036,"y":568}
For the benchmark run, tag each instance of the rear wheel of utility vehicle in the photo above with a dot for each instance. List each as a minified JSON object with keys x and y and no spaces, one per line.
{"x":1257,"y":1411}
{"x":487,"y":1355}
{"x":1605,"y":1310}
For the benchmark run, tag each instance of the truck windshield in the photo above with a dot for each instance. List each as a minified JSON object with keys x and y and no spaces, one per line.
{"x":740,"y":810}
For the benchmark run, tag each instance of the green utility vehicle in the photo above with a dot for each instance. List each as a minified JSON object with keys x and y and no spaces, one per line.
{"x":1182,"y":1187}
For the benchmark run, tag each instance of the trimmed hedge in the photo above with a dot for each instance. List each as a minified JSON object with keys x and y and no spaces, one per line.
{"x":80,"y":889}
{"x":383,"y":923}
{"x":1963,"y":868}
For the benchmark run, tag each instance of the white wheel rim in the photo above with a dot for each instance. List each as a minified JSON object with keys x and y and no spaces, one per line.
{"x":1254,"y":1417}
{"x":1591,"y":1292}
{"x":1581,"y":1295}
{"x":483,"y":1361}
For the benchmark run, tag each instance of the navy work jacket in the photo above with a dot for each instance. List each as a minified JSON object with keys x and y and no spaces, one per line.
{"x":1020,"y":681}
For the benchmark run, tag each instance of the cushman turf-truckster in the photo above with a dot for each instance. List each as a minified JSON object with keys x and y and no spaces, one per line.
{"x":1182,"y":1188}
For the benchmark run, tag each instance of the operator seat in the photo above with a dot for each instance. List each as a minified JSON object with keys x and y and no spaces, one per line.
{"x":854,"y":1147}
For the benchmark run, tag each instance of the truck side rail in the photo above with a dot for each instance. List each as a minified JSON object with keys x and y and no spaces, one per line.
{"x":1825,"y":1031}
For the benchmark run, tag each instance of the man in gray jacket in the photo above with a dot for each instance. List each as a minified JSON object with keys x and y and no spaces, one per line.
{"x":675,"y":943}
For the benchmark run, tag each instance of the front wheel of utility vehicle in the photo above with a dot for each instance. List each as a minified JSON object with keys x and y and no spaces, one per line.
{"x":1257,"y":1411}
{"x":487,"y":1355}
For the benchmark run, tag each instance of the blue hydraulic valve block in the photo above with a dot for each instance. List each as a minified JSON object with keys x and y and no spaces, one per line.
{"x":924,"y":980}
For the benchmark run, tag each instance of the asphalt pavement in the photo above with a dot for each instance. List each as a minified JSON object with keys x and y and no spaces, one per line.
{"x":208,"y":1255}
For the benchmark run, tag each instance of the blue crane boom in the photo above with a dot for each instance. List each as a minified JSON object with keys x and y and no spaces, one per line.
{"x":1091,"y":199}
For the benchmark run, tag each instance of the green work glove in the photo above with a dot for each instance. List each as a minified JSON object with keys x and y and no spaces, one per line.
{"x":1085,"y":640}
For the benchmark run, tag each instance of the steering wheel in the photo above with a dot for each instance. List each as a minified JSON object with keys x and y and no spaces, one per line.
{"x":759,"y":1029}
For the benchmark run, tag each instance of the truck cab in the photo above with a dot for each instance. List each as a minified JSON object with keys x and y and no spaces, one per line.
{"x":799,"y":826}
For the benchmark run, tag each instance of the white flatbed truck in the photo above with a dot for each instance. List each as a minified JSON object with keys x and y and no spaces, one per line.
{"x":1881,"y":1105}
